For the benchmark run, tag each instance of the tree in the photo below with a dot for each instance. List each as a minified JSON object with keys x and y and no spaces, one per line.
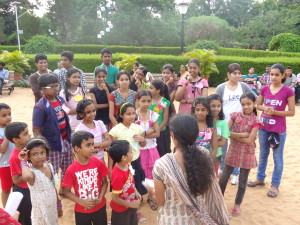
{"x":209,"y":28}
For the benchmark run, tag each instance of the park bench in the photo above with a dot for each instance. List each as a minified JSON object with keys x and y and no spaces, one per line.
{"x":9,"y":86}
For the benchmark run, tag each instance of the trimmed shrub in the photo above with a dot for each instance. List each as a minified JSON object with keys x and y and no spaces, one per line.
{"x":204,"y":44}
{"x":154,"y":63}
{"x":42,"y":44}
{"x":285,"y":42}
{"x":254,"y":53}
{"x":9,"y":48}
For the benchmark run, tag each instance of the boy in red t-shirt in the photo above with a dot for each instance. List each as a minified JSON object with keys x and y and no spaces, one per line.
{"x":17,"y":133}
{"x":88,"y":176}
{"x":125,"y":198}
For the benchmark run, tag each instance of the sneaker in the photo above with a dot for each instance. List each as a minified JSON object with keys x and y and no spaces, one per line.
{"x":234,"y":179}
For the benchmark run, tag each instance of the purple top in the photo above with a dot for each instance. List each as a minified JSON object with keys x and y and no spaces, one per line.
{"x":277,"y":101}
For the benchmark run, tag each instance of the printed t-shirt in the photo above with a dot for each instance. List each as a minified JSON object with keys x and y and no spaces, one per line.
{"x":98,"y":133}
{"x":123,"y":184}
{"x":160,"y":108}
{"x":74,"y":98}
{"x":4,"y":158}
{"x":117,"y":99}
{"x":193,"y":90}
{"x":60,"y":114}
{"x":86,"y":181}
{"x":124,"y":133}
{"x":277,"y":101}
{"x":204,"y":138}
{"x":222,"y":130}
{"x":101,"y":98}
{"x":231,"y":101}
{"x":15,"y":167}
{"x":290,"y":80}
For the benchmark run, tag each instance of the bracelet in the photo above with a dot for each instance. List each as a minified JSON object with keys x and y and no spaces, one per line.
{"x":24,"y":164}
{"x":59,"y":206}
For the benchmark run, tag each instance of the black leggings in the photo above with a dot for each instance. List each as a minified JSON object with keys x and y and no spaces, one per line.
{"x":95,"y":218}
{"x":25,"y":205}
{"x":164,"y":142}
{"x":243,"y":179}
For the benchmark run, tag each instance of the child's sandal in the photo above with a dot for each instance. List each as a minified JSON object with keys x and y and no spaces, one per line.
{"x":236,"y":212}
{"x":140,"y":217}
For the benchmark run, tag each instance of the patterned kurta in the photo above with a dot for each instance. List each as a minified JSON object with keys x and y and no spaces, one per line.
{"x":117,"y":98}
{"x":239,"y":154}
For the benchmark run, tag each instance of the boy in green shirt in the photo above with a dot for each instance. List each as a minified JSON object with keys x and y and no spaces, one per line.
{"x":112,"y":71}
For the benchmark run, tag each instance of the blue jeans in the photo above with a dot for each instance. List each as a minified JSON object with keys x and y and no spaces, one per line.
{"x":236,"y":170}
{"x":264,"y":152}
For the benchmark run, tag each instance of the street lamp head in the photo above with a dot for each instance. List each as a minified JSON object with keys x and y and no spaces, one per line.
{"x":110,"y":26}
{"x":102,"y":32}
{"x":99,"y":36}
{"x":102,"y":8}
{"x":108,"y":22}
{"x":107,"y":29}
{"x":182,"y":6}
{"x":98,"y":12}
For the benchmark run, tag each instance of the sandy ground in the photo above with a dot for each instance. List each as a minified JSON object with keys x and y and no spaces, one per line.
{"x":257,"y":208}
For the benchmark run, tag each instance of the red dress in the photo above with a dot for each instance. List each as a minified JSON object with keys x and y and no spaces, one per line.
{"x":239,"y":154}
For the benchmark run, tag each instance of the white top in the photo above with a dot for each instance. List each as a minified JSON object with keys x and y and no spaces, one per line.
{"x":146,"y":125}
{"x":231,"y":101}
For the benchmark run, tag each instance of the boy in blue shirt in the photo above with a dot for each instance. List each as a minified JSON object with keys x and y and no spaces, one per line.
{"x":50,"y":121}
{"x":3,"y":76}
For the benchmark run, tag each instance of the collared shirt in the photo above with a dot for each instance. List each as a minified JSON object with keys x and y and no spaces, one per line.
{"x":112,"y":73}
{"x":4,"y":74}
{"x":62,"y":77}
{"x":266,"y":78}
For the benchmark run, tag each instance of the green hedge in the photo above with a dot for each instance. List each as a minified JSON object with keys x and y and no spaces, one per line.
{"x":154,"y":63}
{"x":254,"y":53}
{"x":96,"y":49}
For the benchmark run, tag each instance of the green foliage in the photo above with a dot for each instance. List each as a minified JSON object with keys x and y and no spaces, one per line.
{"x":15,"y":61}
{"x":127,"y":62}
{"x":207,"y":60}
{"x":21,"y":83}
{"x":209,"y":28}
{"x":204,"y":44}
{"x":285,"y":42}
{"x":42,"y":44}
{"x":154,"y":63}
{"x":254,"y":53}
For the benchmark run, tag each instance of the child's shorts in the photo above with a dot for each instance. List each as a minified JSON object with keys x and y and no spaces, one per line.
{"x":97,"y":218}
{"x":124,"y":218}
{"x":5,"y":178}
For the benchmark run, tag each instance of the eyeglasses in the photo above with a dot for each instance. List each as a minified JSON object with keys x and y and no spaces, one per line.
{"x":52,"y":87}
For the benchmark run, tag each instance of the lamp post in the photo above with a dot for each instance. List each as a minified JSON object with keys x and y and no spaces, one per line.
{"x":182,"y":7}
{"x":17,"y":23}
{"x":102,"y":13}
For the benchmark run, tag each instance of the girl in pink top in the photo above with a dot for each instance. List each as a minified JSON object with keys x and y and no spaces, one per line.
{"x":86,"y":111}
{"x":72,"y":93}
{"x":191,"y":87}
{"x":273,"y":100}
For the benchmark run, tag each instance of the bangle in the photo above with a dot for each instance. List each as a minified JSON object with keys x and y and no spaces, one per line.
{"x":59,"y":206}
{"x":24,"y":164}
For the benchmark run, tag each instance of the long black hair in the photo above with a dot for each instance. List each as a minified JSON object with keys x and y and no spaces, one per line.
{"x":70,"y":72}
{"x":163,"y":91}
{"x":217,"y":97}
{"x":203,"y":101}
{"x":197,"y":161}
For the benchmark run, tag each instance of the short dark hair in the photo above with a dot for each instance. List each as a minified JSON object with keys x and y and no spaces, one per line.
{"x":68,"y":54}
{"x":2,"y":63}
{"x":144,"y":70}
{"x":289,"y":67}
{"x":4,"y":106}
{"x":123,"y":72}
{"x":40,"y":56}
{"x":233,"y":67}
{"x":117,"y":149}
{"x":47,"y":79}
{"x":106,"y":50}
{"x":14,"y":129}
{"x":37,"y":142}
{"x":79,"y":136}
{"x":100,"y":70}
{"x":281,"y":69}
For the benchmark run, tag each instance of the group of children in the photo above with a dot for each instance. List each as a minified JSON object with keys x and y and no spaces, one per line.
{"x":73,"y":132}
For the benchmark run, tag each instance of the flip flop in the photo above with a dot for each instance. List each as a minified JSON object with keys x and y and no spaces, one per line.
{"x":273,"y":194}
{"x":236,"y":212}
{"x":140,"y":217}
{"x":253,"y":184}
{"x":152,"y":204}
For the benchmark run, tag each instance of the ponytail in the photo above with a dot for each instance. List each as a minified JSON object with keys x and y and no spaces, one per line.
{"x":197,"y":161}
